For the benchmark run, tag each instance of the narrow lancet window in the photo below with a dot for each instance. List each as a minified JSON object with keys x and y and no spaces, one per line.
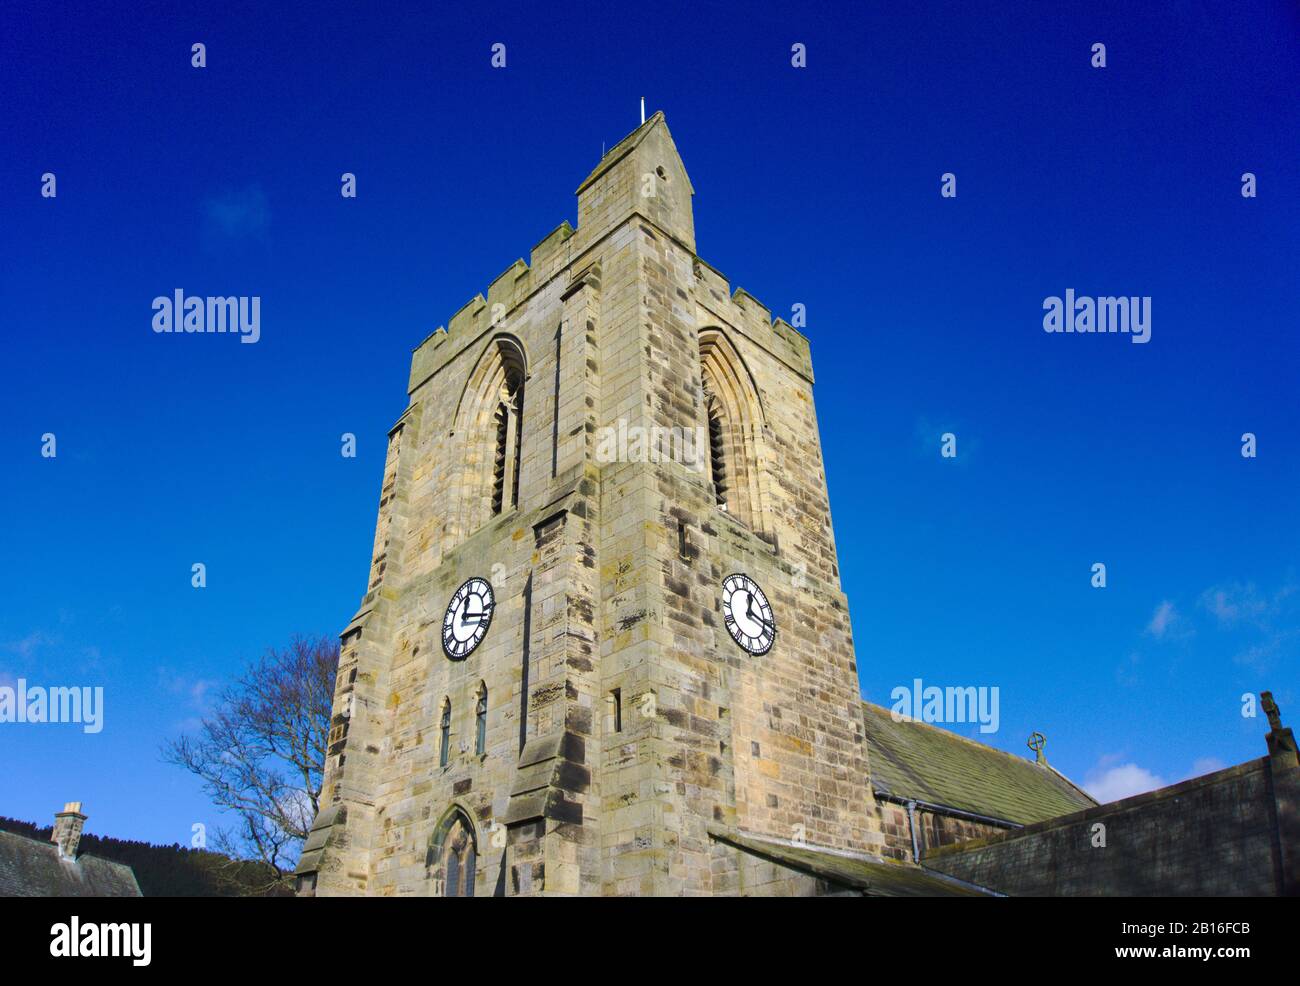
{"x":480,"y":723}
{"x":444,"y":730}
{"x":502,"y":418}
{"x":717,"y":454}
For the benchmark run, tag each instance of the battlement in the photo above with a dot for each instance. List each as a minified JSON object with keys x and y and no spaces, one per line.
{"x":641,"y":175}
{"x":548,"y":250}
{"x":743,"y":311}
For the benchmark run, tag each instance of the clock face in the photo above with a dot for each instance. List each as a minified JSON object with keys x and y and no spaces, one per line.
{"x":468,"y":616}
{"x":748,"y":614}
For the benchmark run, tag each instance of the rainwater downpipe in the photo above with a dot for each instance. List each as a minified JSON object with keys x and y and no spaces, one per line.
{"x":911,"y":827}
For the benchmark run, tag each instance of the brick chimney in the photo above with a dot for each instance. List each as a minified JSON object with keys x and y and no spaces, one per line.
{"x":67,"y":829}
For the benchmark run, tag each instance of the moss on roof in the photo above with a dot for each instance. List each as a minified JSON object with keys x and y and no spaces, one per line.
{"x":31,"y":868}
{"x":912,"y":760}
{"x":873,"y":877}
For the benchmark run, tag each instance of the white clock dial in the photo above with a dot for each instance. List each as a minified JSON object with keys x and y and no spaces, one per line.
{"x":748,"y":614}
{"x":468,"y":616}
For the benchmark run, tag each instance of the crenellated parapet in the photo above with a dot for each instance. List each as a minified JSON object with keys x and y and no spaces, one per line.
{"x":742,"y":311}
{"x":510,"y":289}
{"x":552,"y":253}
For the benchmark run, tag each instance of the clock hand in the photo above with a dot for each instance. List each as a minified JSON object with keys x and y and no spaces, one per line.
{"x":470,"y":617}
{"x":749,"y":611}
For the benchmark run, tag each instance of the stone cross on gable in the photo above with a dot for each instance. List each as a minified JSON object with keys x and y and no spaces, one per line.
{"x":1036,"y":743}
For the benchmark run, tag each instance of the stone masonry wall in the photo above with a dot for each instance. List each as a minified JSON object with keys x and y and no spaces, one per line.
{"x":933,"y":829}
{"x":1210,"y":836}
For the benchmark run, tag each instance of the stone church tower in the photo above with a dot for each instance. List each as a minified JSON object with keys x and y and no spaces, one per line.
{"x":553,"y":684}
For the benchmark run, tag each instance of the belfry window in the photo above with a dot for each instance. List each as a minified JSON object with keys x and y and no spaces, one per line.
{"x":444,"y":734}
{"x":508,"y":456}
{"x":502,"y":419}
{"x":489,"y":425}
{"x":480,"y":722}
{"x":517,"y":393}
{"x":733,"y":415}
{"x":717,"y":451}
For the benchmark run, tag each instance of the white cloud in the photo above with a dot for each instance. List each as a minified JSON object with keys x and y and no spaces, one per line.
{"x":1164,"y":617}
{"x":1260,"y":657}
{"x":1264,"y":623}
{"x":1232,"y":603}
{"x":200,"y":692}
{"x":1111,"y":779}
{"x":1206,"y":765}
{"x":1113,"y":783}
{"x":26,"y":647}
{"x":1236,"y":603}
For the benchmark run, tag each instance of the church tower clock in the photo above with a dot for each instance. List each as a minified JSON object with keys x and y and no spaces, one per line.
{"x":594,"y":666}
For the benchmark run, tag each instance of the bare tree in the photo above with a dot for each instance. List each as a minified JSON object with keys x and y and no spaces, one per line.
{"x":261,"y":754}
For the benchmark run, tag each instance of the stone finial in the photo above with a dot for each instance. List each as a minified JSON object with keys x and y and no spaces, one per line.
{"x":1281,"y":740}
{"x":1271,"y":710}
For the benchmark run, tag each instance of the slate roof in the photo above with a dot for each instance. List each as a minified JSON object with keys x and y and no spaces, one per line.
{"x":31,"y":868}
{"x":873,"y":876}
{"x":912,"y":760}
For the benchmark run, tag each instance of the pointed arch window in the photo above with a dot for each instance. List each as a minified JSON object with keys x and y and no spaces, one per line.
{"x":451,"y":876}
{"x":517,"y":436}
{"x":499,"y":458}
{"x":490,"y":419}
{"x":444,"y":734}
{"x":508,"y":455}
{"x":480,"y":722}
{"x":717,"y":450}
{"x":734,"y":417}
{"x":453,"y":856}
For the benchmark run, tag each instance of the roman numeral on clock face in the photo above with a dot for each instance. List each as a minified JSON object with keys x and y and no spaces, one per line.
{"x":747,"y":614}
{"x":469,"y":613}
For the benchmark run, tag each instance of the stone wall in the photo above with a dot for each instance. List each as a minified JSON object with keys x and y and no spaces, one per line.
{"x":933,"y":829}
{"x":1215,"y":835}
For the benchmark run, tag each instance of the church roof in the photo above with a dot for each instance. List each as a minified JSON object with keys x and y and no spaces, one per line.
{"x":914,"y":761}
{"x":873,"y":876}
{"x":31,"y":868}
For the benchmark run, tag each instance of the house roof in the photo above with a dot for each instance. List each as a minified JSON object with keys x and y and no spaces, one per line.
{"x":873,"y":876}
{"x":31,"y":868}
{"x":914,"y":761}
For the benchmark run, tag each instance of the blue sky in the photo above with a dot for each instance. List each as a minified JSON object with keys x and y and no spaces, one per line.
{"x":815,"y":186}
